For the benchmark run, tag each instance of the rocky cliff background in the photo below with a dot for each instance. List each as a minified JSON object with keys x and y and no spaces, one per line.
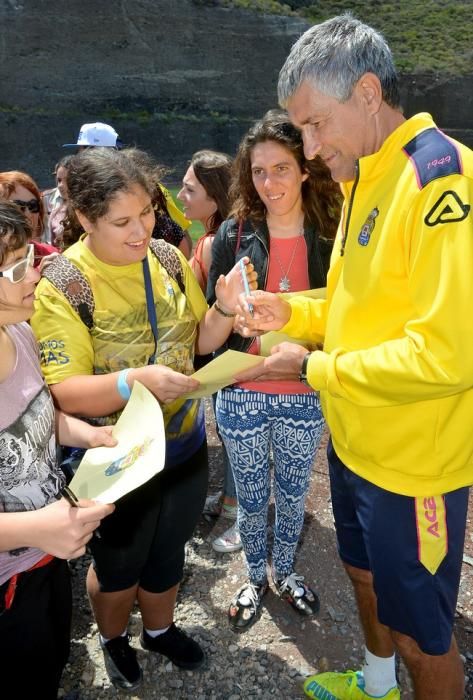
{"x":171,"y":76}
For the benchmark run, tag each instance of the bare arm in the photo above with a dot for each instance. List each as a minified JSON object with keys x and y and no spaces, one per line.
{"x":97,"y":395}
{"x":215,"y":328}
{"x":198,"y":273}
{"x":56,"y":529}
{"x":185,"y":246}
{"x":77,"y":433}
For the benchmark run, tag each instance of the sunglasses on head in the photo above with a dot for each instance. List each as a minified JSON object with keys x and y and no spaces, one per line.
{"x":32,"y":205}
{"x":17,"y":272}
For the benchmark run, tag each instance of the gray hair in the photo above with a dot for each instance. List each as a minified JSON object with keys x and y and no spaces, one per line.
{"x":333,"y":56}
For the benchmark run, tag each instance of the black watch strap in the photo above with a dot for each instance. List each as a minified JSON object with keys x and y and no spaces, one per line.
{"x":303,"y":372}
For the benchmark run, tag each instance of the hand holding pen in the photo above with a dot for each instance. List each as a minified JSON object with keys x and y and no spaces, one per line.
{"x":246,"y":285}
{"x":90,"y":506}
{"x":229,"y":287}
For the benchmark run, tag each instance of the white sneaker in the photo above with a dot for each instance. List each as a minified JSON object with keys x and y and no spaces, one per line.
{"x":229,"y":541}
{"x":215,"y":506}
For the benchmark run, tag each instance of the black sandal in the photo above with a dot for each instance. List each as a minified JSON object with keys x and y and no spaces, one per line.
{"x":245,"y":607}
{"x":298,"y":594}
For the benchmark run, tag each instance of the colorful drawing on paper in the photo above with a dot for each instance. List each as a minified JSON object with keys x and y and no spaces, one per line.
{"x":129,"y":459}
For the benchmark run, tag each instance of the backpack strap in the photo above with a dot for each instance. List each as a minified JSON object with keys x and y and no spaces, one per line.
{"x":169,"y":259}
{"x":70,"y":281}
{"x":238,"y":241}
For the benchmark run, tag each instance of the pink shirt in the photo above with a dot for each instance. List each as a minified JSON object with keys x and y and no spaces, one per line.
{"x":287,"y":258}
{"x":29,"y":476}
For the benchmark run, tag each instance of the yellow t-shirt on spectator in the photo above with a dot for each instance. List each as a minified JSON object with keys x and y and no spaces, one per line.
{"x":121,"y":336}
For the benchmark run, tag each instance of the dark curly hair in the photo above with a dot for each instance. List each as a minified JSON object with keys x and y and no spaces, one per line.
{"x":321,"y":196}
{"x":15,"y":229}
{"x":96,"y":176}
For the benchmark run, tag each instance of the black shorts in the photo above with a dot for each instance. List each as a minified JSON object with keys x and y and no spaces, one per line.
{"x":143,"y":541}
{"x":412,"y":546}
{"x":35,"y":633}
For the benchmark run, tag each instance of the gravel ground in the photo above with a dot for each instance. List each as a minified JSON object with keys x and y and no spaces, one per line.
{"x":273,"y":657}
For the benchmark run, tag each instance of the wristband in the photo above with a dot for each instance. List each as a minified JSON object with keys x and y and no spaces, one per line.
{"x":303,"y":372}
{"x":222,"y":312}
{"x":122,"y":386}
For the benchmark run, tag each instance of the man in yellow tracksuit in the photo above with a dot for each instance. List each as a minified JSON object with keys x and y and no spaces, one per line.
{"x":396,"y":370}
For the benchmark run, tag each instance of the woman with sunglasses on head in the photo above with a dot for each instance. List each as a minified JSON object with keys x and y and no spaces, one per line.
{"x":39,"y":530}
{"x":284,"y":217}
{"x":23,"y":191}
{"x":148,"y":318}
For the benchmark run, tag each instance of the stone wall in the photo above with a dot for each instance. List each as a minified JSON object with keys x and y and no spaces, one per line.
{"x":171,"y":76}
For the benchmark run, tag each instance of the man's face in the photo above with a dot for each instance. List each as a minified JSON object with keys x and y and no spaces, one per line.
{"x":338,"y":132}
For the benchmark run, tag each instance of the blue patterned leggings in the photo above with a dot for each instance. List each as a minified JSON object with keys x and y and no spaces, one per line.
{"x":250,"y":424}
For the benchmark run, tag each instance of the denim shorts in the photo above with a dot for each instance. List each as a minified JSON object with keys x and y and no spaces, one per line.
{"x":412,"y":546}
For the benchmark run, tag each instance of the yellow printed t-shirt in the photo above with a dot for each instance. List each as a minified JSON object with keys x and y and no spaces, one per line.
{"x":121,"y":335}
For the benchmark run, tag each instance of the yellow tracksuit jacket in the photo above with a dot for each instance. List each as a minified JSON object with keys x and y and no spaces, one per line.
{"x":396,"y":372}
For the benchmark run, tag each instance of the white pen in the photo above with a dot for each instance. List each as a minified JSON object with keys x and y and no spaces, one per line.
{"x":246,"y":285}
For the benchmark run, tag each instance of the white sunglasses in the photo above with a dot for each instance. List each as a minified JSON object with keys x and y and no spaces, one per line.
{"x":17,"y":272}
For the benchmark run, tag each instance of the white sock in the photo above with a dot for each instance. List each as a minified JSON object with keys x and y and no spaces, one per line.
{"x":104,"y":640}
{"x":379,"y":674}
{"x":157,"y":633}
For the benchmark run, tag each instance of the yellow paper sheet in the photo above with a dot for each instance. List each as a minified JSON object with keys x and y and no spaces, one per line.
{"x":269,"y":340}
{"x":220,"y":372}
{"x":106,"y":474}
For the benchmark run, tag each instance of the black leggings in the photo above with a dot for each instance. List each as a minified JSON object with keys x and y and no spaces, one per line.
{"x":35,"y":633}
{"x":143,"y":540}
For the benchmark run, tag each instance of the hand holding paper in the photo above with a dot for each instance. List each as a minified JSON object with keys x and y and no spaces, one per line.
{"x":107,"y":473}
{"x":284,"y":363}
{"x":221,"y":372}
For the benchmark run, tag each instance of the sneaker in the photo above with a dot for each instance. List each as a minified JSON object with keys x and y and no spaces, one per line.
{"x":230,"y":541}
{"x":176,"y":645}
{"x":245,"y":607}
{"x":343,"y":686}
{"x":229,"y":512}
{"x":120,"y":662}
{"x":215,"y":506}
{"x":298,"y":594}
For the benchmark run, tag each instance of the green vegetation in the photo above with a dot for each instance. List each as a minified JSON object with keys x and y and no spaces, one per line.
{"x":432,"y":36}
{"x":143,"y":117}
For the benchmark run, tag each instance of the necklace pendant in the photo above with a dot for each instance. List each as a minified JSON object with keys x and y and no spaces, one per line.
{"x":284,"y":284}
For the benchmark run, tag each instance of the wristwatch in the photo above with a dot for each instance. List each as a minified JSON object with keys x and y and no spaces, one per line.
{"x":303,"y":372}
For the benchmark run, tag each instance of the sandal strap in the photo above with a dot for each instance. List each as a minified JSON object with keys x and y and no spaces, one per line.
{"x":249,"y":596}
{"x":294,"y":584}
